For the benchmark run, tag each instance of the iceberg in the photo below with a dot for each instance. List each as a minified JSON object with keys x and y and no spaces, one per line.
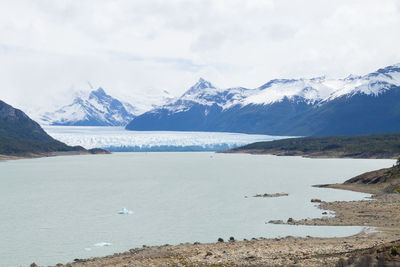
{"x":125,"y":211}
{"x":117,"y":139}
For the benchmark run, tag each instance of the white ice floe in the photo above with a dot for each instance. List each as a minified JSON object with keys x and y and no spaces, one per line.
{"x":118,"y":139}
{"x":102,"y":244}
{"x":125,"y":211}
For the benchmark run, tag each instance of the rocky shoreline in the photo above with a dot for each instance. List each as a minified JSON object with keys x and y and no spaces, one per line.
{"x":54,"y":154}
{"x":286,"y":251}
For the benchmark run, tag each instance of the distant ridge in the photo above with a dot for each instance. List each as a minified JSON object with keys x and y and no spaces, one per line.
{"x":341,"y":146}
{"x":300,"y":107}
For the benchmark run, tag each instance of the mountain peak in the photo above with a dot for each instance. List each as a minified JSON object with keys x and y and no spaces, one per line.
{"x":100,"y":91}
{"x":199,"y":86}
{"x":204,"y":83}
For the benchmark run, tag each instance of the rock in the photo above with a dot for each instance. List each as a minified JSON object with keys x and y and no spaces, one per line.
{"x":33,"y":264}
{"x":220,"y":239}
{"x":276,"y":221}
{"x":290,"y":220}
{"x":324,"y":213}
{"x":208,"y":254}
{"x":272,"y":195}
{"x":316,"y":200}
{"x":231,"y":239}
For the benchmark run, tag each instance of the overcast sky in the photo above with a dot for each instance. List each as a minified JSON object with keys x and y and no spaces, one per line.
{"x":48,"y":47}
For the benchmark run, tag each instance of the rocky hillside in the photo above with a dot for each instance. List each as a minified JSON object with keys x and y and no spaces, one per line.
{"x":387,"y":180}
{"x":380,"y":182}
{"x":19,"y":135}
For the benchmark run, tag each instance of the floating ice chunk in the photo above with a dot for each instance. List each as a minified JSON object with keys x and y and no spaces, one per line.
{"x":125,"y":211}
{"x":102,"y":244}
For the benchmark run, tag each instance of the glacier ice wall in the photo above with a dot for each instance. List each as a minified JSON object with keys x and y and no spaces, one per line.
{"x":117,"y":139}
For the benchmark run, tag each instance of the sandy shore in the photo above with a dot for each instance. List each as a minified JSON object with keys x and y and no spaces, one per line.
{"x":5,"y":157}
{"x":382,"y":212}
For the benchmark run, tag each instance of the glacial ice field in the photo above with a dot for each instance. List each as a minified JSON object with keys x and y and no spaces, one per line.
{"x":117,"y":139}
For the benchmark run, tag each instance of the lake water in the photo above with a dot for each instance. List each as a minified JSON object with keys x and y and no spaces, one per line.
{"x":61,"y":208}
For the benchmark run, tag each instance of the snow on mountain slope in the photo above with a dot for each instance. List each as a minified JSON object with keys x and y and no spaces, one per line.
{"x":95,"y":108}
{"x":311,"y":91}
{"x":206,"y":94}
{"x":371,"y":84}
{"x":321,"y":89}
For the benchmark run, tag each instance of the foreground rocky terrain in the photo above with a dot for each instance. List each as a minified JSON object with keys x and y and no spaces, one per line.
{"x":257,"y":252}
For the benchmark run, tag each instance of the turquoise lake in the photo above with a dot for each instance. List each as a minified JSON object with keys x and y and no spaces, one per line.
{"x":61,"y":208}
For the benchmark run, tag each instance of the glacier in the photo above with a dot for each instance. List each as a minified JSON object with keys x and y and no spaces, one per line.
{"x":117,"y":139}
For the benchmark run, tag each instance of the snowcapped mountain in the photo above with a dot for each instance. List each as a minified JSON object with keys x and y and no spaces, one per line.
{"x":317,"y":106}
{"x":206,"y":94}
{"x":95,"y":108}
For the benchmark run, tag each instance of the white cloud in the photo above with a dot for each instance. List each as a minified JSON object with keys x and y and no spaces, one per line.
{"x":127,"y":47}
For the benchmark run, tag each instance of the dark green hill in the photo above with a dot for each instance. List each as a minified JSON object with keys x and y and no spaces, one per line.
{"x":20,"y":135}
{"x":352,"y":146}
{"x":381,"y":181}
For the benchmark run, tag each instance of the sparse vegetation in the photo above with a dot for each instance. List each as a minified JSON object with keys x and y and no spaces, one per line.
{"x":354,"y":146}
{"x":397,"y":190}
{"x":394,"y":251}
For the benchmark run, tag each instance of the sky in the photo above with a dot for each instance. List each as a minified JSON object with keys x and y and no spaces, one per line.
{"x":49,"y":48}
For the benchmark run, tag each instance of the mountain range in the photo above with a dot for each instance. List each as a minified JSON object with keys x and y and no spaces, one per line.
{"x":316,"y":106}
